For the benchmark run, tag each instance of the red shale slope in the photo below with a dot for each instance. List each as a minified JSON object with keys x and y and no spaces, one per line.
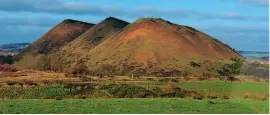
{"x":149,"y":45}
{"x":91,"y":38}
{"x":51,"y":42}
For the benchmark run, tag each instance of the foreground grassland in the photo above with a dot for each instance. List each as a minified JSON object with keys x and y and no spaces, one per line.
{"x":41,"y":92}
{"x":209,"y":89}
{"x":126,"y":105}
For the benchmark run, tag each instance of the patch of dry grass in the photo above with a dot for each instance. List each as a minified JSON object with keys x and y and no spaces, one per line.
{"x":35,"y":76}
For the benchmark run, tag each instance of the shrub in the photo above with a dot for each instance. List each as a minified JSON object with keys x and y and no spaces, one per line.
{"x":191,"y":28}
{"x":167,"y":72}
{"x":150,"y":79}
{"x":195,"y":64}
{"x":225,"y":97}
{"x":6,"y":59}
{"x":58,"y":98}
{"x":246,"y":96}
{"x":28,"y":82}
{"x":85,"y":78}
{"x":173,"y":90}
{"x":212,"y":97}
{"x":164,"y":80}
{"x":83,"y":97}
{"x":10,"y":83}
{"x":169,"y":87}
{"x":59,"y":82}
{"x":174,"y":80}
{"x":46,"y":82}
{"x":236,"y":66}
{"x":126,"y":91}
{"x":211,"y":102}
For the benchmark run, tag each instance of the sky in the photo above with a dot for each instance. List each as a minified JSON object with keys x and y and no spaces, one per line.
{"x":243,"y":24}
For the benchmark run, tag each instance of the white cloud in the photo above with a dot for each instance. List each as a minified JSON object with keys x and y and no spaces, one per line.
{"x":80,"y":8}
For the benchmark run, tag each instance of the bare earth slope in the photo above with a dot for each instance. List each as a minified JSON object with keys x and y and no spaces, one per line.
{"x":150,"y":46}
{"x":90,"y":39}
{"x":51,"y":42}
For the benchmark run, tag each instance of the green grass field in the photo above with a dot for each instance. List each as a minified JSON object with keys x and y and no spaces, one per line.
{"x":234,"y":89}
{"x":152,"y":105}
{"x":219,"y":89}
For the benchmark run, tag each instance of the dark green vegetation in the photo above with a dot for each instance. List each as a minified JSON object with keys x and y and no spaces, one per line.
{"x":128,"y":106}
{"x":150,"y":89}
{"x":230,"y":89}
{"x":242,"y":67}
{"x":92,"y":91}
{"x":191,"y":28}
{"x":45,"y":92}
{"x":232,"y":69}
{"x":6,"y":59}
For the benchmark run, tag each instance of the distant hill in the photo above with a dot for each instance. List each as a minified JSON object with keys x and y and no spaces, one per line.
{"x":255,"y":55}
{"x":13,"y":48}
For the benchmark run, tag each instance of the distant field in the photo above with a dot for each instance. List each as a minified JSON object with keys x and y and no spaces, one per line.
{"x":253,"y":54}
{"x":233,"y":89}
{"x":117,"y":106}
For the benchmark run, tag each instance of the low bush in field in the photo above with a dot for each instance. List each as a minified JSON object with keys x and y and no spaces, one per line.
{"x":48,"y":92}
{"x":173,"y":90}
{"x":30,"y":83}
{"x":168,"y":80}
{"x":127,"y":91}
{"x":11,"y":83}
{"x":254,"y":96}
{"x":195,"y":64}
{"x":195,"y":90}
{"x":6,"y":59}
{"x":164,"y":80}
{"x":150,"y":79}
{"x":80,"y":87}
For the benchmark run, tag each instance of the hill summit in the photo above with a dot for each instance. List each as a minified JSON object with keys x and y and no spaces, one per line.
{"x":34,"y":55}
